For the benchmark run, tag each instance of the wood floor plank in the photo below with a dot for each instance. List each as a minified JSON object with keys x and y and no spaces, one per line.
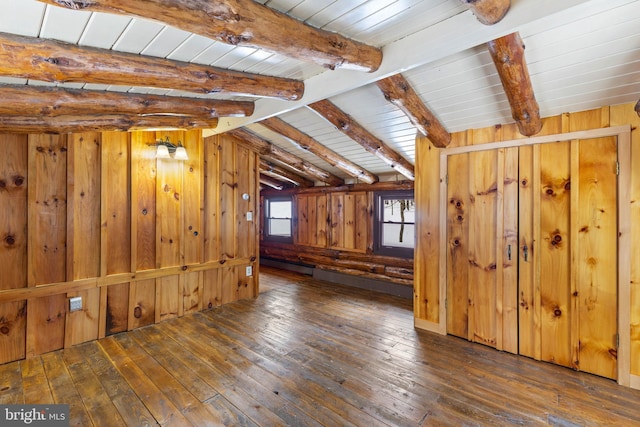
{"x":95,"y":398}
{"x":163,"y":410}
{"x":309,"y":353}
{"x":64,"y":390}
{"x":34,"y":382}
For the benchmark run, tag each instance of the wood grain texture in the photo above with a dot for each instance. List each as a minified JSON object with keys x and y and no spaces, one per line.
{"x":282,"y":174}
{"x":250,"y":24}
{"x":219,"y":368}
{"x":227,"y":201}
{"x":55,"y":61}
{"x":397,"y":90}
{"x":117,"y":309}
{"x":508,"y":56}
{"x":489,"y":12}
{"x":305,"y":142}
{"x":57,"y":101}
{"x":142,"y":303}
{"x":143,"y":196}
{"x":82,"y":325}
{"x":212,"y":154}
{"x":193,"y":198}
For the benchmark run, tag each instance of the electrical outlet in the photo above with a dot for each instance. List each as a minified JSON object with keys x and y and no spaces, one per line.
{"x":249,"y":271}
{"x":249,"y":216}
{"x":75,"y":304}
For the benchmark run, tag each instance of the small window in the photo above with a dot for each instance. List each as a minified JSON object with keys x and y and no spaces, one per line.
{"x":395,"y":223}
{"x":278,"y":214}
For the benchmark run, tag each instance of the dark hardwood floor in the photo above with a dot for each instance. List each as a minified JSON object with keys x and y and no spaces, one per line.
{"x":307,"y":353}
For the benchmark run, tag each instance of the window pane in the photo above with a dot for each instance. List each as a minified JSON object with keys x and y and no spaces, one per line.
{"x":398,"y":236}
{"x":280,"y":227}
{"x":394,"y":210}
{"x":280,"y":209}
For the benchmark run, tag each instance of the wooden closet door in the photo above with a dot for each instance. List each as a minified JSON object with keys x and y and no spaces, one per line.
{"x":568,"y":254}
{"x":481,"y":277}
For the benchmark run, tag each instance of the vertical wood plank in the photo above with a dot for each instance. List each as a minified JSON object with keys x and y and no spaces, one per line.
{"x":47,"y":240}
{"x":229,"y":284}
{"x":193,"y":198}
{"x":554,"y":251}
{"x":228,"y":183}
{"x":212,"y":199}
{"x":337,"y":220}
{"x":82,"y":325}
{"x":597,"y":256}
{"x":192,"y":292}
{"x":349,"y":212}
{"x":509,"y":253}
{"x":169,"y":207}
{"x":322,"y":221}
{"x":143,"y":195}
{"x":167,"y":298}
{"x":302,"y":219}
{"x":13,"y":243}
{"x":142,"y":303}
{"x":363,"y":219}
{"x":117,"y":309}
{"x":243,"y":171}
{"x":458,"y":245}
{"x":212,"y":288}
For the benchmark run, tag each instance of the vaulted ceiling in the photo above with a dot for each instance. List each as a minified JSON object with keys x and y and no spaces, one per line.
{"x":581,"y":54}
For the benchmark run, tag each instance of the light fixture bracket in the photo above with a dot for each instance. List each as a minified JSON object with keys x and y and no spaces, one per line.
{"x":177,"y":150}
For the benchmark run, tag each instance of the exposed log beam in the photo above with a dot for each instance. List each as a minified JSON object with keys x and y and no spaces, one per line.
{"x":397,"y":90}
{"x":305,"y":142}
{"x":271,"y":151}
{"x":245,"y":23}
{"x":54,"y":61}
{"x":270,"y":182}
{"x":64,"y":124}
{"x":488,"y":12}
{"x":508,"y":55}
{"x":638,"y":108}
{"x":280,"y":173}
{"x":359,"y":134}
{"x":55,"y":101}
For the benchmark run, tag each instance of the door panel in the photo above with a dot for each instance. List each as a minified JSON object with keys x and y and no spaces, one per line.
{"x":596,"y":258}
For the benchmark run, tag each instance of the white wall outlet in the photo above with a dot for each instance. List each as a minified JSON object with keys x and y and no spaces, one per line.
{"x":249,"y":271}
{"x":249,"y":216}
{"x":75,"y":304}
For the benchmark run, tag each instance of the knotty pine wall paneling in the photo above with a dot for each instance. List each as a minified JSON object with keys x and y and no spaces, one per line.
{"x":96,"y":215}
{"x":537,"y":339}
{"x":13,"y":243}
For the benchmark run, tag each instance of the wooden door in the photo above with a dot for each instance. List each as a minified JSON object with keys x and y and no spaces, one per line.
{"x":481,"y":276}
{"x":568,"y":254}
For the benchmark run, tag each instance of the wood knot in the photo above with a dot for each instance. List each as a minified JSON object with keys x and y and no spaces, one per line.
{"x":524,"y":182}
{"x":176,"y":196}
{"x":567,"y":186}
{"x":18,"y":180}
{"x":460,"y":218}
{"x":144,"y":211}
{"x":456,"y":242}
{"x":185,"y":268}
{"x":210,"y":305}
{"x":10,"y":240}
{"x":557,"y":312}
{"x":5,"y":330}
{"x":253,"y":258}
{"x":222,"y":261}
{"x":3,"y":183}
{"x":137,"y":312}
{"x":549,"y":192}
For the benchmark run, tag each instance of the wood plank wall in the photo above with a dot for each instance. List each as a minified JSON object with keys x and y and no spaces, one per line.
{"x":140,"y":239}
{"x":333,"y":230}
{"x":427,"y":189}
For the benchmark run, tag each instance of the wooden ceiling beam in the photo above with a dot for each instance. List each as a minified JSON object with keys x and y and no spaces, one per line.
{"x":305,"y":142}
{"x":359,"y":134}
{"x":270,"y":182}
{"x":55,"y":61}
{"x":56,"y":101}
{"x":245,"y":23}
{"x":273,"y":152}
{"x":397,"y":90}
{"x":488,"y":12}
{"x":508,"y":55}
{"x":280,"y":173}
{"x":114,"y":122}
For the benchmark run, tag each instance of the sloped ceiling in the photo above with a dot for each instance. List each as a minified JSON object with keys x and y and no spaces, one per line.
{"x":580,"y":54}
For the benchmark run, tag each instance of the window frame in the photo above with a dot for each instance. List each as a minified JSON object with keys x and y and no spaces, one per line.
{"x":267,"y":219}
{"x":378,"y":224}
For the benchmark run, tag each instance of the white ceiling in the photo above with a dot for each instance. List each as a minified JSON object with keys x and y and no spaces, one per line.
{"x":581,"y":54}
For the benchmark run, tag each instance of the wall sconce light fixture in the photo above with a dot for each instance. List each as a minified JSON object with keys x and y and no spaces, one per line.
{"x":166,"y":148}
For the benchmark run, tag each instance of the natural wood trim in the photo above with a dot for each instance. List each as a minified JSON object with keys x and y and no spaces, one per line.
{"x":378,"y":186}
{"x":246,"y":23}
{"x":574,"y":233}
{"x":57,"y":101}
{"x":55,"y":61}
{"x":354,"y":130}
{"x":305,"y":142}
{"x":272,"y":151}
{"x":360,"y":273}
{"x":49,"y":289}
{"x":508,"y":56}
{"x":277,"y":172}
{"x":428,"y":326}
{"x":488,"y":12}
{"x":543,"y":139}
{"x":624,"y":260}
{"x":634,"y":382}
{"x":442,"y":228}
{"x":397,"y":90}
{"x":113,"y":122}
